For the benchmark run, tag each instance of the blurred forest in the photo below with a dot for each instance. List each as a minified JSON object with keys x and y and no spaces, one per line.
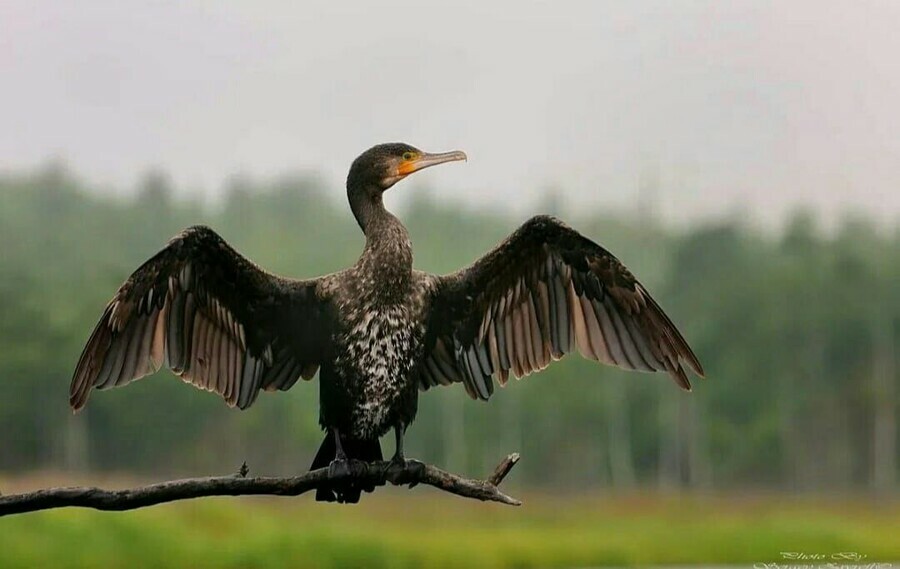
{"x":798,"y":332}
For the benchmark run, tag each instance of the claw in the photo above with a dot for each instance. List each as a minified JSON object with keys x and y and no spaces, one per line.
{"x":416,"y":470}
{"x":339,"y":468}
{"x":404,"y":471}
{"x":416,"y":467}
{"x":395,"y":471}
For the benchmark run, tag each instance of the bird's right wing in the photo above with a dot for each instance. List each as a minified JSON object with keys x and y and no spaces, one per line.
{"x":214,"y":318}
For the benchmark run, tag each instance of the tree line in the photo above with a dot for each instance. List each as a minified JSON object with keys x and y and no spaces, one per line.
{"x":797,"y":329}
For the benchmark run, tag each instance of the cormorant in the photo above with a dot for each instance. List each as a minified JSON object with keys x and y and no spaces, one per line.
{"x":379,"y":331}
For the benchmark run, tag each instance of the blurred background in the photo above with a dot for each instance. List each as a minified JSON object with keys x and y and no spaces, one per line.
{"x":741,"y":158}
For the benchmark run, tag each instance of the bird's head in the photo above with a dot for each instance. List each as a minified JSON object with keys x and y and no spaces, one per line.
{"x":384,"y":165}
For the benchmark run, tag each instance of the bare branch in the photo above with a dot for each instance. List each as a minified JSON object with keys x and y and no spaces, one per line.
{"x":377,"y":473}
{"x":503,"y":469}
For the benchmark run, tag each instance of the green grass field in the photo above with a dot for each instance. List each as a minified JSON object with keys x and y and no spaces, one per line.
{"x":424,"y":528}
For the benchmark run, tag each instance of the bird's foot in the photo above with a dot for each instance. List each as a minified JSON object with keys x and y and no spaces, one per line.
{"x":416,"y":470}
{"x":401,"y":470}
{"x":343,"y":467}
{"x":339,"y":467}
{"x":395,"y":468}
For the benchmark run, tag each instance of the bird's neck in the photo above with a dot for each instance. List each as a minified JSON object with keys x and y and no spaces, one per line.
{"x":388,"y":252}
{"x":367,"y":206}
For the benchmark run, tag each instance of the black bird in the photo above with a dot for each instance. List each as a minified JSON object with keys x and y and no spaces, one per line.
{"x":379,"y":331}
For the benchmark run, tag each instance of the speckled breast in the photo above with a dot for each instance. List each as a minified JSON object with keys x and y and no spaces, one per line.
{"x":382,"y":346}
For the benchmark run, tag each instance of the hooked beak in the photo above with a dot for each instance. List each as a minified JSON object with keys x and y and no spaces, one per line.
{"x":425,"y":160}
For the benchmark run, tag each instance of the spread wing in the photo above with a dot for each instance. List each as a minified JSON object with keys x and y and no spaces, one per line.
{"x":214,"y":318}
{"x":540,"y":294}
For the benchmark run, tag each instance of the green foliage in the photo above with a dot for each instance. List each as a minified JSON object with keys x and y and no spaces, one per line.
{"x":401,"y":530}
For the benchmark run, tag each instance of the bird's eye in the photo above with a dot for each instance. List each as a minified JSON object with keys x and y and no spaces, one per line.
{"x":408,"y":155}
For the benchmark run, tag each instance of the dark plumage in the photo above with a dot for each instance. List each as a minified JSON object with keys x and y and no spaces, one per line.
{"x":379,"y":331}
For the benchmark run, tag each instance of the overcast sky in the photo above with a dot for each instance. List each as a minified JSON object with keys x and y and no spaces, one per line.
{"x":734,"y":106}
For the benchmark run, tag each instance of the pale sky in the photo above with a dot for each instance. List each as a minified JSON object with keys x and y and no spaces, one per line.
{"x":748,"y":107}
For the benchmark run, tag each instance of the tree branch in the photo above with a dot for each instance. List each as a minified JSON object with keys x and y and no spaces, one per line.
{"x":377,"y":473}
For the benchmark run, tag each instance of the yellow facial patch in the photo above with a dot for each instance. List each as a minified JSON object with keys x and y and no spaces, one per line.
{"x":408,"y":164}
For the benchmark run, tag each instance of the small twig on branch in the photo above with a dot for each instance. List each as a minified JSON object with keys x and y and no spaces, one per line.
{"x":378,"y":473}
{"x":503,"y":469}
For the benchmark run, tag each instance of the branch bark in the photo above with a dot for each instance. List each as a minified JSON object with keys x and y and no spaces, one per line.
{"x":378,"y":473}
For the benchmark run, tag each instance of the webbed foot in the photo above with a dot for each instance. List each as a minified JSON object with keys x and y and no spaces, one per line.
{"x":339,"y":467}
{"x":404,"y":471}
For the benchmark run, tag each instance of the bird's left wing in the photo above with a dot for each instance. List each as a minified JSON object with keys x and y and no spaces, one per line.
{"x":214,"y":318}
{"x":534,"y":298}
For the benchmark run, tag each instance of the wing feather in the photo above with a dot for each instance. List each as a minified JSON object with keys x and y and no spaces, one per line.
{"x":211,"y":316}
{"x":581,"y":335}
{"x":542,"y":293}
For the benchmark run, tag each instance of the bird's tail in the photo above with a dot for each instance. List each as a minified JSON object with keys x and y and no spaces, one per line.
{"x":347,"y":493}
